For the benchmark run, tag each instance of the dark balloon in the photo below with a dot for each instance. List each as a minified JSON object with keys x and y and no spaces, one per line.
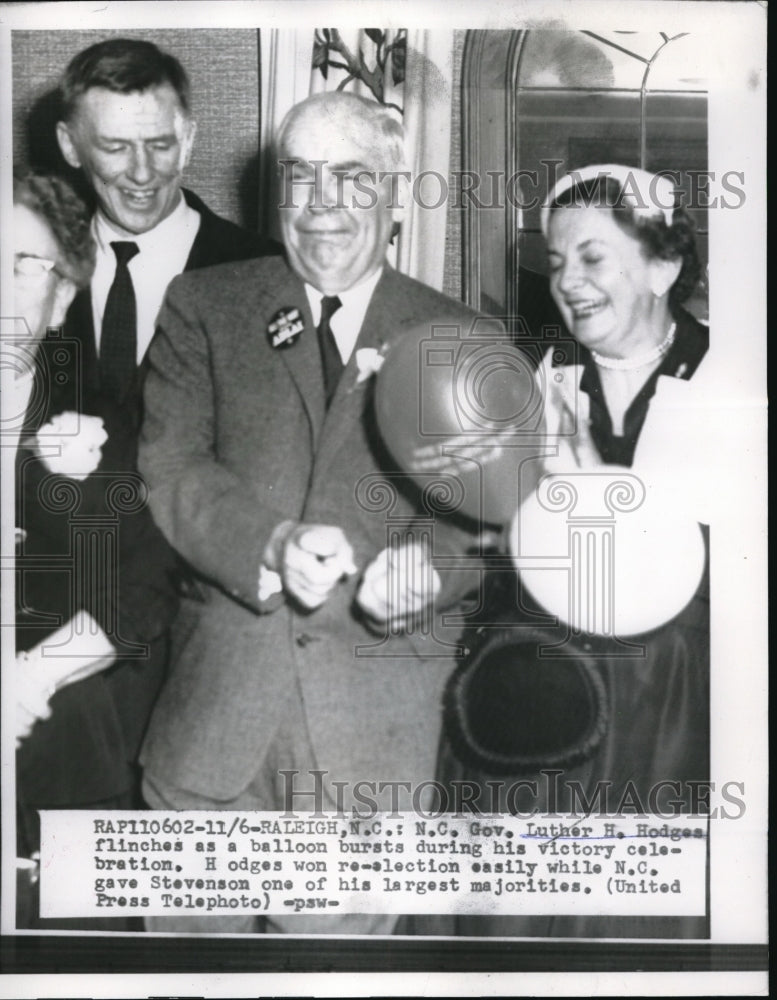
{"x":460,"y":410}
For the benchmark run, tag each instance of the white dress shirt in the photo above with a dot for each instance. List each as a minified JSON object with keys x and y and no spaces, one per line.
{"x":164,"y":251}
{"x":347,"y":321}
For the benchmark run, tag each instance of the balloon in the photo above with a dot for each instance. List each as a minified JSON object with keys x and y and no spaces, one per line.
{"x":460,"y":407}
{"x":606,"y":552}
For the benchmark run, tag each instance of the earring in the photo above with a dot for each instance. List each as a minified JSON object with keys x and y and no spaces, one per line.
{"x":658,"y":287}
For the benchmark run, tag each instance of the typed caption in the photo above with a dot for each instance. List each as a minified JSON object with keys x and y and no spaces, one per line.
{"x":162,"y":863}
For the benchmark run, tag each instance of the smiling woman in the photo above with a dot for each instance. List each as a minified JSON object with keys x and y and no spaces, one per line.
{"x":622,"y":261}
{"x":610,"y":706}
{"x":607,"y":291}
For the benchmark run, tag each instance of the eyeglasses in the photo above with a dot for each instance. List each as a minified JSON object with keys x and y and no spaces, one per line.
{"x":31,"y":268}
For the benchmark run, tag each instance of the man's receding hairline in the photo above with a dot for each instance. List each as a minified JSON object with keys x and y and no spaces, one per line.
{"x":373,"y":120}
{"x":164,"y":84}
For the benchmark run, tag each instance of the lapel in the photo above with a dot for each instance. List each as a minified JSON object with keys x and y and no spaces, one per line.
{"x":302,"y":359}
{"x":388,"y":313}
{"x":201,"y":253}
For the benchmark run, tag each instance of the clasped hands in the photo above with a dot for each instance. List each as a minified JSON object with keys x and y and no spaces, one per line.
{"x":312,"y":559}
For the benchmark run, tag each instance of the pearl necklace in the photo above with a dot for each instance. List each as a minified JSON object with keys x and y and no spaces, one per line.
{"x":639,"y":360}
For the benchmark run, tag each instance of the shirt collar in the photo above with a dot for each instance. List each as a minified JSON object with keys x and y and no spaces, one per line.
{"x":354,"y":300}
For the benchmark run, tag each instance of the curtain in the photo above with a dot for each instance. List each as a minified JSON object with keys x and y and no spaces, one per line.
{"x":286,"y":58}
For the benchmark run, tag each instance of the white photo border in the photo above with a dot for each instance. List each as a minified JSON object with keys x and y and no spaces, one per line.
{"x":736,"y":34}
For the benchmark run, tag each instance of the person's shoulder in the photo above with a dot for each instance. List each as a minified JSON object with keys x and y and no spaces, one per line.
{"x":423,"y":297}
{"x":233,"y":281}
{"x":219,"y":240}
{"x":405,"y":301}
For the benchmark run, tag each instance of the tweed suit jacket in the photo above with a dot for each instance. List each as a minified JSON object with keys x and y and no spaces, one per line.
{"x":236,"y":439}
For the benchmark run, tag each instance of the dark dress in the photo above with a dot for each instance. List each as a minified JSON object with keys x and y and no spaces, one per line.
{"x":612,"y":724}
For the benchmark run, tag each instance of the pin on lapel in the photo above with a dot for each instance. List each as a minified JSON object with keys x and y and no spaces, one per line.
{"x":285,"y":327}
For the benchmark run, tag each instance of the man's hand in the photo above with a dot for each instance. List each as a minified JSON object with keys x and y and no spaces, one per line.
{"x":311,"y":560}
{"x":398,"y":584}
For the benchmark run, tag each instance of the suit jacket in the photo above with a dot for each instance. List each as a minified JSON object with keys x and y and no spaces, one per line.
{"x":236,"y":439}
{"x":100,"y":720}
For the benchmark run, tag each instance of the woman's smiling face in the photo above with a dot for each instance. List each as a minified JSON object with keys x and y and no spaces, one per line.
{"x":601,"y":280}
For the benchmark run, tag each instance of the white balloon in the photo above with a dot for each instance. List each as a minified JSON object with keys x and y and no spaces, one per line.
{"x":606,"y":552}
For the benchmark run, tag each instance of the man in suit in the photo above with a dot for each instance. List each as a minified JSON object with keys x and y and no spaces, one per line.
{"x":126,"y":124}
{"x":264,"y":464}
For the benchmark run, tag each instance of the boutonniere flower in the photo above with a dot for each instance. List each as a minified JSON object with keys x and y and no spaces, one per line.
{"x":78,"y":440}
{"x":369,"y":361}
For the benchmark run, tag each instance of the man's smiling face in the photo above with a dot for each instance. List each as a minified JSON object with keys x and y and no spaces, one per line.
{"x":336,"y":220}
{"x":133,"y":149}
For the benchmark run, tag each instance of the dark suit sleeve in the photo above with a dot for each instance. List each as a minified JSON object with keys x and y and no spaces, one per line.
{"x":147,"y":600}
{"x":204,"y":509}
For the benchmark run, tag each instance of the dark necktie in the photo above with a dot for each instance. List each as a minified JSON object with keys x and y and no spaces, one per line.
{"x":331,"y":361}
{"x":118,"y":341}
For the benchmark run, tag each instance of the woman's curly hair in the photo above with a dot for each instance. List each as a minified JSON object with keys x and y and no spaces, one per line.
{"x":659,"y":240}
{"x":66,"y":215}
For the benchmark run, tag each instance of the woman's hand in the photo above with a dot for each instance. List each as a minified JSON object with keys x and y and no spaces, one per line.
{"x":33,"y":692}
{"x":70,"y":444}
{"x":77,"y":650}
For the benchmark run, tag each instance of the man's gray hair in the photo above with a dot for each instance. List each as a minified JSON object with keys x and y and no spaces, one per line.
{"x":348,"y":112}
